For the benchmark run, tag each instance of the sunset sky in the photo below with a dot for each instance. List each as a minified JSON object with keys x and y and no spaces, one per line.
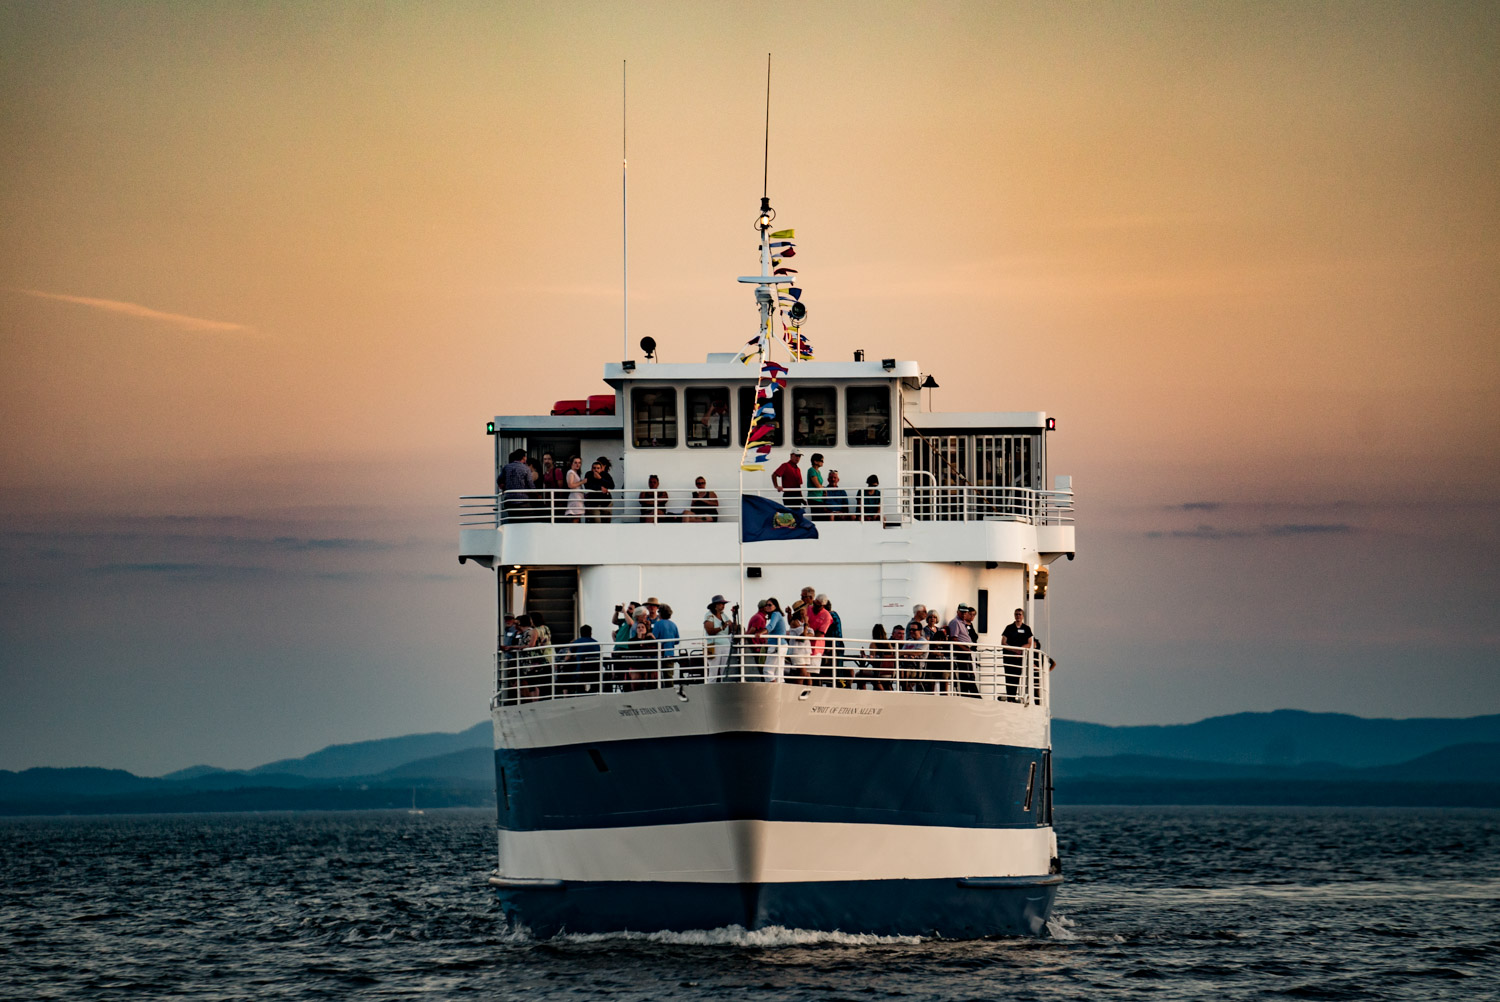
{"x":267,"y":269}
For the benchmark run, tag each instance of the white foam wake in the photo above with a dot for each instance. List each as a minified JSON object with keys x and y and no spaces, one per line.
{"x":771,"y":937}
{"x":1059,"y":926}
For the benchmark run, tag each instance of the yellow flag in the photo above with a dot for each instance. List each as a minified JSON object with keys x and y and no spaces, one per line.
{"x":784,"y":235}
{"x":750,"y":468}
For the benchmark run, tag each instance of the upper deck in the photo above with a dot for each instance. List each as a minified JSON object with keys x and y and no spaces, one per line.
{"x":970,"y":486}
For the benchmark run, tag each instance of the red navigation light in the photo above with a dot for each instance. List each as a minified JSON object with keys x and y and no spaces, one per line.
{"x":1052,"y":424}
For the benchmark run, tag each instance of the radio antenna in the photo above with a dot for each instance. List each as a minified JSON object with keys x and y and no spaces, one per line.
{"x":624,"y":222}
{"x":765,"y":177}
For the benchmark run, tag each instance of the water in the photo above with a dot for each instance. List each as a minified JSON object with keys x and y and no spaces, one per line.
{"x":1167,"y":903}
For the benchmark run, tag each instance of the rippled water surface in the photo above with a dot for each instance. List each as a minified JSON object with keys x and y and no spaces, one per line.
{"x":1168,"y":903}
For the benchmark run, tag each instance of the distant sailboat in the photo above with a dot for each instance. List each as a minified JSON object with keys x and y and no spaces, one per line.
{"x":414,"y":809}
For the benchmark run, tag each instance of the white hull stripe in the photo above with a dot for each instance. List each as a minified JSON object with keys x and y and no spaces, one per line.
{"x":774,"y":852}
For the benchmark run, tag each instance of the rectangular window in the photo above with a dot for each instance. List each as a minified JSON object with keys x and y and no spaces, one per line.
{"x":815,"y":414}
{"x":869,"y":415}
{"x":747,"y":408}
{"x":708,"y":417}
{"x":653,"y":417}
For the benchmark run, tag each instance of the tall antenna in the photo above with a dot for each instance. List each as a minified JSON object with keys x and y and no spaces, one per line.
{"x":624,"y":223}
{"x":765,"y":177}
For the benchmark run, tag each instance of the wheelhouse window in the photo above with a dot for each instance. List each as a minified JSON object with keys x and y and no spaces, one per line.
{"x":747,"y":408}
{"x":815,"y":415}
{"x":653,"y":417}
{"x":869,"y":415}
{"x":708,"y":417}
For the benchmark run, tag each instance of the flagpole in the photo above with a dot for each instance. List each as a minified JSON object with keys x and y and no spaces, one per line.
{"x":624,"y":223}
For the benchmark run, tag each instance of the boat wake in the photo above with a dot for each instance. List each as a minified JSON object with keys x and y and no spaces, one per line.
{"x":769,"y":938}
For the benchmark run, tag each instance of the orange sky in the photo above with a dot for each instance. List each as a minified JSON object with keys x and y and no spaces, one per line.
{"x":280,"y":261}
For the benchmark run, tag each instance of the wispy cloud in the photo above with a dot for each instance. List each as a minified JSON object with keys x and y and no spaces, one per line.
{"x":143,"y":312}
{"x":1283,"y":529}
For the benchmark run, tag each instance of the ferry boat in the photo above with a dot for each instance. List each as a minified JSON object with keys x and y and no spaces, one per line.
{"x":894,"y":787}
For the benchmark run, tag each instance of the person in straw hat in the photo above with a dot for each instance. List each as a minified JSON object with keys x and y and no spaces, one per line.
{"x":719,"y":629}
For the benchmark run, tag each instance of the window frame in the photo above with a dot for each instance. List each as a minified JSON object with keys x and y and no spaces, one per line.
{"x":688,"y":420}
{"x":849,"y":414}
{"x":806,"y":442}
{"x":674,"y":421}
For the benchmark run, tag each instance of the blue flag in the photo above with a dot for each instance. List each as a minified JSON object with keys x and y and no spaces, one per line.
{"x":761,"y":519}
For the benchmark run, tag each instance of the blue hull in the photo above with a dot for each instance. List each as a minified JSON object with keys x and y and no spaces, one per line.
{"x":952,"y":909}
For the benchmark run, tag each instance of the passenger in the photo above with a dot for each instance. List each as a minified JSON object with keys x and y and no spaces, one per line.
{"x":775,"y":640}
{"x":653,"y":500}
{"x":880,"y":661}
{"x":788,"y":480}
{"x":653,"y":609}
{"x":816,"y":482}
{"x":798,"y":650}
{"x":597,"y":485}
{"x":805,"y":600}
{"x":869,"y":499}
{"x":819,"y":621}
{"x":1016,"y":635}
{"x":640,"y":655}
{"x":901,"y":660}
{"x":515,"y":482}
{"x":584,"y":664}
{"x":624,"y":618}
{"x":536,"y":495}
{"x":719,"y":631}
{"x":543,"y":652}
{"x":963,"y":652}
{"x":755,"y":633}
{"x":833,"y":652}
{"x":937,"y":652}
{"x":918,"y":621}
{"x":705,"y":504}
{"x":666,"y":631}
{"x":573,"y":480}
{"x":913,"y":655}
{"x":836,"y":499}
{"x":552,"y":482}
{"x":940,"y":659}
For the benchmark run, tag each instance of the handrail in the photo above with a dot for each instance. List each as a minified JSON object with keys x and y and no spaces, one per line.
{"x":935,"y":667}
{"x":911,"y":503}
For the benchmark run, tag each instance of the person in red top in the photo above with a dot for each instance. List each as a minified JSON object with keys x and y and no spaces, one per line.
{"x":788,"y":480}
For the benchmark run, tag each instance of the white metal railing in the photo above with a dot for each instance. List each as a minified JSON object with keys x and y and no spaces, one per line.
{"x":910,"y":503}
{"x":940,"y":668}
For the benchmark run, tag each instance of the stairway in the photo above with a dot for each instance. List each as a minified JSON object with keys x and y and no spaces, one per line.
{"x":554,"y":593}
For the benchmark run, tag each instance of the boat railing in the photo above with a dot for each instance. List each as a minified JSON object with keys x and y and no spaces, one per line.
{"x":937,"y":668}
{"x":896,"y":505}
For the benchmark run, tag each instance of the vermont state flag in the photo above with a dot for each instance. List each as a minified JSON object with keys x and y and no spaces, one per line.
{"x":761,"y":519}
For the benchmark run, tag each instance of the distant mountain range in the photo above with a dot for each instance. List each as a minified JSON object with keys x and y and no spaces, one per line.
{"x":1282,"y":737}
{"x":1284,"y":757}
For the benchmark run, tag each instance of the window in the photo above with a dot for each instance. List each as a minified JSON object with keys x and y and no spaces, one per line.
{"x":815,"y":413}
{"x":747,"y":407}
{"x":708,"y":417}
{"x":653,"y":417}
{"x":869,"y":413}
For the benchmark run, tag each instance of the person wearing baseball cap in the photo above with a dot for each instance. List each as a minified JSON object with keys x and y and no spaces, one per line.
{"x":788,"y":480}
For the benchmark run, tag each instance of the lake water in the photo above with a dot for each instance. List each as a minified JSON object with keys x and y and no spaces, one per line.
{"x":1165,"y":903}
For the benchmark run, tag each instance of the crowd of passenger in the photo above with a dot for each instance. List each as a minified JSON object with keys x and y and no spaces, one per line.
{"x":803,"y":643}
{"x":541,"y":490}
